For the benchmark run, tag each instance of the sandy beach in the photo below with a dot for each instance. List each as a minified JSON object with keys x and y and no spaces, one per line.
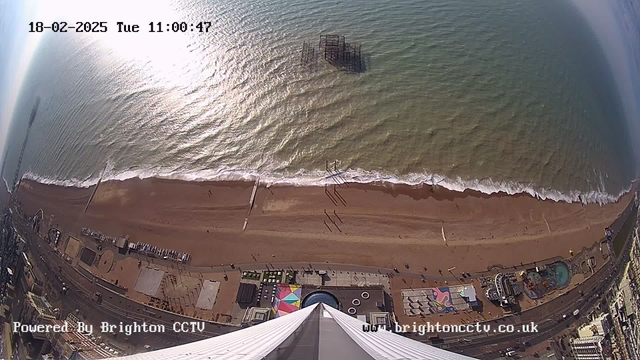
{"x":378,"y":224}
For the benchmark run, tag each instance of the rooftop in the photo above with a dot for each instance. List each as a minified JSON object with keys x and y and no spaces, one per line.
{"x":68,"y":343}
{"x":363,"y":299}
{"x":41,"y":305}
{"x":438,"y":300}
{"x":256,"y":315}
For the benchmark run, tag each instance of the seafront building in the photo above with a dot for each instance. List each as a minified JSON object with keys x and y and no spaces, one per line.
{"x":624,"y":304}
{"x":429,"y":301}
{"x":503,"y":289}
{"x":590,"y":348}
{"x":315,"y":332}
{"x":76,"y":345}
{"x":600,"y":325}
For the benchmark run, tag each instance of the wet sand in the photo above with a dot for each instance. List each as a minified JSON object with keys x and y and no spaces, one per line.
{"x":383,"y":225}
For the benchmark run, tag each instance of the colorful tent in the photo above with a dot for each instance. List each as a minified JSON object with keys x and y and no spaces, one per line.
{"x":286,"y":299}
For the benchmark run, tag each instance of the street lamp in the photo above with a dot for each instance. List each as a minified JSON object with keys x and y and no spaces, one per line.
{"x":450,"y":270}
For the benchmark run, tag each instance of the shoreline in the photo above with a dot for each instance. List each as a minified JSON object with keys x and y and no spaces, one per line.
{"x":305,"y":178}
{"x":364,"y":224}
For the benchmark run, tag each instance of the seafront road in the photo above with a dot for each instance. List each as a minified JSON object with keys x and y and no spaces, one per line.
{"x":116,"y":308}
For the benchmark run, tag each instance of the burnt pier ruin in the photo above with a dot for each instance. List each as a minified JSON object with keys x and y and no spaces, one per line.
{"x":336,"y":51}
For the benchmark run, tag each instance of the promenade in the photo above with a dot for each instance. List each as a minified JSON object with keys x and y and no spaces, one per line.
{"x":117,"y":308}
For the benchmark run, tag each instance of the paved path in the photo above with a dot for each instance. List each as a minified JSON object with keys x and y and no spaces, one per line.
{"x":548,"y":316}
{"x":410,"y":272}
{"x":114,"y":308}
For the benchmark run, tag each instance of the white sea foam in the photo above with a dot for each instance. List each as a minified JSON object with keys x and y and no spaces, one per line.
{"x":320,"y":178}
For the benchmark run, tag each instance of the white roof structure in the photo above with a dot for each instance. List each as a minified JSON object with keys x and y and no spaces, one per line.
{"x":315,"y":333}
{"x":589,"y":348}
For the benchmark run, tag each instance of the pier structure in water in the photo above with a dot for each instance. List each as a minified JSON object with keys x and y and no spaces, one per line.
{"x":336,"y":51}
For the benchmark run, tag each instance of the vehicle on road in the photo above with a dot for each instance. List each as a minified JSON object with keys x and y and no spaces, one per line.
{"x":54,"y":236}
{"x":97,"y":297}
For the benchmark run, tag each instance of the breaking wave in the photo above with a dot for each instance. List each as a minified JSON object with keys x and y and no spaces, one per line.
{"x":320,"y":178}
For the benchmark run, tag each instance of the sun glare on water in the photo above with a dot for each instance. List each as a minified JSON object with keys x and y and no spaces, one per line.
{"x":164,"y":54}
